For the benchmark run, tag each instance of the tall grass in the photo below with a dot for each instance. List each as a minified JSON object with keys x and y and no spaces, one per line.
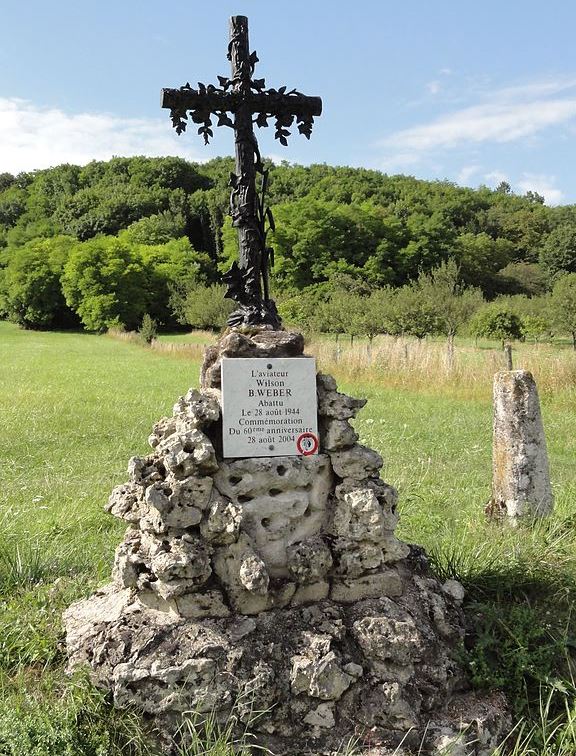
{"x":428,"y":365}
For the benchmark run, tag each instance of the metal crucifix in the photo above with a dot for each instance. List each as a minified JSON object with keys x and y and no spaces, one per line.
{"x":245,"y":97}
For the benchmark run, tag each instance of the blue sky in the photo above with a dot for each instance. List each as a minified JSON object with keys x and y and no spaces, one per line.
{"x":474,"y":92}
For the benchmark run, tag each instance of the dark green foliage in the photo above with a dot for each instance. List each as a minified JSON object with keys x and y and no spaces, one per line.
{"x":331,"y":222}
{"x":522,"y":278}
{"x":6,"y":180}
{"x":512,"y":649}
{"x":558,"y":253}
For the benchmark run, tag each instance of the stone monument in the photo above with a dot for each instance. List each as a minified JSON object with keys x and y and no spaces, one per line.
{"x":260,"y":574}
{"x":521,"y":486}
{"x":276,"y":584}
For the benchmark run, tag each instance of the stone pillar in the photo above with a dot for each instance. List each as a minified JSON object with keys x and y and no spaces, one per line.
{"x":520,"y":473}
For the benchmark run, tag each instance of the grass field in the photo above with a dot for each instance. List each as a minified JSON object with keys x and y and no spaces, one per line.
{"x":75,"y":407}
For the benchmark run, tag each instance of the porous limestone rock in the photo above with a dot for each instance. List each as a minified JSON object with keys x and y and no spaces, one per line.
{"x":222,"y":523}
{"x":316,"y":671}
{"x":309,"y":560}
{"x":284,"y":500}
{"x":337,"y":435}
{"x":354,"y":558}
{"x":332,"y":404}
{"x":188,"y":453}
{"x":358,"y":462}
{"x":349,"y":589}
{"x":359,"y":516}
{"x":520,"y":473}
{"x":126,"y":501}
{"x":273,"y":585}
{"x":259,"y":344}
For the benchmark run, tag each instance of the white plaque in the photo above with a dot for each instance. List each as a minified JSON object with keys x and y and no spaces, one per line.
{"x":269,"y":407}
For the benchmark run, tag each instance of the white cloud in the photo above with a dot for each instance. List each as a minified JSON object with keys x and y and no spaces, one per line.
{"x":496,"y":177}
{"x":492,"y":122}
{"x":502,"y":116}
{"x":544,"y":185}
{"x":399,"y":161}
{"x":433,"y":87}
{"x":466,"y":173}
{"x":33,"y":138}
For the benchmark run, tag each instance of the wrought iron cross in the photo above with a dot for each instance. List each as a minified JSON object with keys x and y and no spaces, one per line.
{"x":245,"y":97}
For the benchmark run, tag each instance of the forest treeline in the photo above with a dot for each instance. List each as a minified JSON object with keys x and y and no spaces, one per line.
{"x":355,"y":250}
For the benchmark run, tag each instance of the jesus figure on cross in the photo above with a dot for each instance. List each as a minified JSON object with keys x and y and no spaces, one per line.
{"x":245,"y":97}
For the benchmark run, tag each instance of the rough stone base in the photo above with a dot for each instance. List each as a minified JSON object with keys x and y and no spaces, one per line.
{"x":302,"y":680}
{"x":275,"y":590}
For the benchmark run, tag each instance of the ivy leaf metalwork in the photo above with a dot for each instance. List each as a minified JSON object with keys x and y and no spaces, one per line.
{"x":224,"y":120}
{"x":262,"y":120}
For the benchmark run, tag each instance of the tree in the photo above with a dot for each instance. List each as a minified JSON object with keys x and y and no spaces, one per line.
{"x":156,"y":229}
{"x":410,"y":314}
{"x":314,"y":238}
{"x":536,"y":327}
{"x":170,"y":266}
{"x":558,"y":253}
{"x":104,"y":282}
{"x":563,"y":304}
{"x":148,"y":330}
{"x":523,"y":278}
{"x":6,"y":180}
{"x":31,"y":291}
{"x":479,"y":257}
{"x":308,"y":309}
{"x":450,"y":300}
{"x":371,"y":315}
{"x":497,"y":321}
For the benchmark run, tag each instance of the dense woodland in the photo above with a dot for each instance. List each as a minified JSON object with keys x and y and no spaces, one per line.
{"x":356,"y":251}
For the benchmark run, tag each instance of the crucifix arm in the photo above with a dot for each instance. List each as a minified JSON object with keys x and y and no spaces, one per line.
{"x":271,"y":103}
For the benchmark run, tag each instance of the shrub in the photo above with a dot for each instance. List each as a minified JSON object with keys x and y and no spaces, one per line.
{"x":202,"y":307}
{"x":148,"y":330}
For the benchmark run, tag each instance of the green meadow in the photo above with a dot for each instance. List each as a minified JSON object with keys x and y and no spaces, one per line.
{"x":75,"y":407}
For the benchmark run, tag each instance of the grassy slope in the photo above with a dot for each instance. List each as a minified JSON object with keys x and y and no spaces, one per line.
{"x":76,"y":407}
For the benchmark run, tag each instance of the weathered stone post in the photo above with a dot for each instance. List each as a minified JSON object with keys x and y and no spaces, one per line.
{"x":520,"y":473}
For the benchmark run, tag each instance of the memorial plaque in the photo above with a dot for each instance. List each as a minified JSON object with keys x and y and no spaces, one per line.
{"x":269,"y":407}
